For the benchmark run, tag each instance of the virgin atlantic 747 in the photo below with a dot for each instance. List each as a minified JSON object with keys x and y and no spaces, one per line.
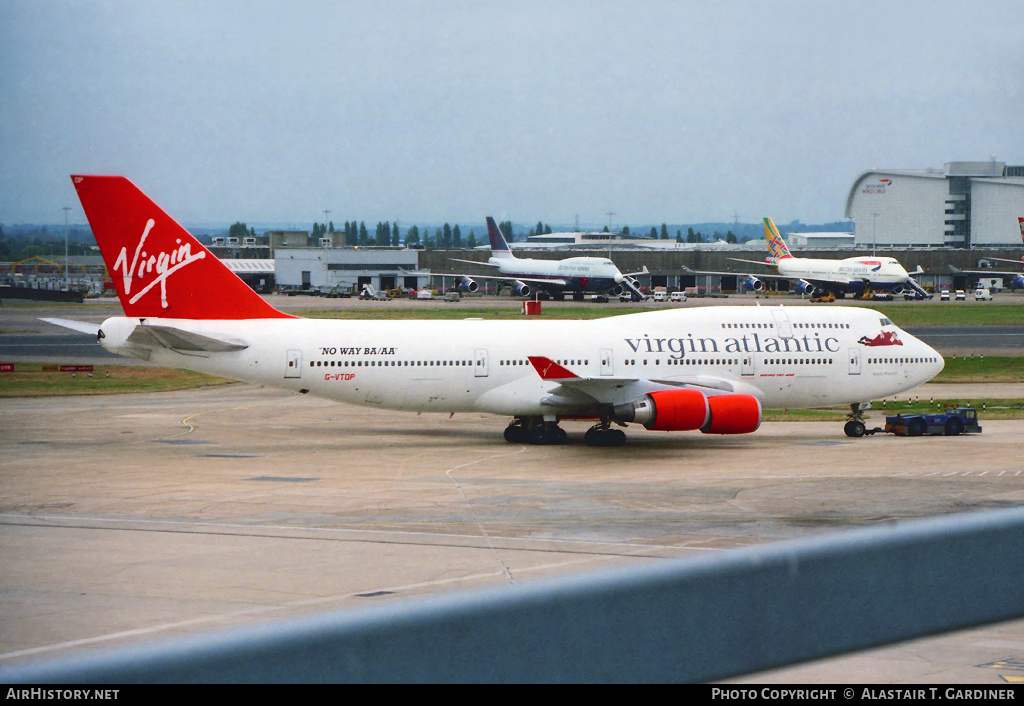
{"x":708,"y":369}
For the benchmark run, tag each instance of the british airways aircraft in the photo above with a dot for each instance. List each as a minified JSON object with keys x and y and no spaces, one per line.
{"x":708,"y":369}
{"x":579,"y":275}
{"x":822,"y":277}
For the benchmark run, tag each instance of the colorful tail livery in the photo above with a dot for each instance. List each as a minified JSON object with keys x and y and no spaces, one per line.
{"x":777,"y":249}
{"x":1020,"y":222}
{"x":158,"y":268}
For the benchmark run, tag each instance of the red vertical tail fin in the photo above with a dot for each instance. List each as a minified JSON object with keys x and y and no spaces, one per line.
{"x":158,"y":268}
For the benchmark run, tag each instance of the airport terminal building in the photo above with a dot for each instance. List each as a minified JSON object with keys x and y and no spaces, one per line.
{"x":963,"y":205}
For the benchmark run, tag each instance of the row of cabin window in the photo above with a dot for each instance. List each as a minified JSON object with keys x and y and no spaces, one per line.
{"x":732,"y":361}
{"x":795,"y":325}
{"x":899,"y":361}
{"x":387,"y":363}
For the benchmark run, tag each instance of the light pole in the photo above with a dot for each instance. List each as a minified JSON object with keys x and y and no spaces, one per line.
{"x":874,"y":232}
{"x":67,"y":283}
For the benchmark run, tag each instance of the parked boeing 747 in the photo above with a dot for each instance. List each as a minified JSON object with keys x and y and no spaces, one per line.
{"x":711,"y":369}
{"x":579,"y":275}
{"x":827,"y":278}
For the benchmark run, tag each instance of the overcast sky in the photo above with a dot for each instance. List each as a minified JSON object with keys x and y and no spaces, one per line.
{"x":429,"y":111}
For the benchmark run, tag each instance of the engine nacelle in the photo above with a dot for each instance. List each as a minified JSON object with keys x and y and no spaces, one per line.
{"x":521,"y":289}
{"x":617,"y":290}
{"x":805,"y":288}
{"x":468,"y":285}
{"x":666,"y":410}
{"x":733,"y":414}
{"x":752,"y":284}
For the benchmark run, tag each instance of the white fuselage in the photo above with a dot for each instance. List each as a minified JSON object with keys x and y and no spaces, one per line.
{"x":578,"y":273}
{"x":880,"y":272}
{"x":787,"y":357}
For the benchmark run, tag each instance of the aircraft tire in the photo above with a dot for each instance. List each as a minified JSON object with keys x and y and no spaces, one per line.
{"x":515,"y":434}
{"x":854,"y":428}
{"x":538,"y":435}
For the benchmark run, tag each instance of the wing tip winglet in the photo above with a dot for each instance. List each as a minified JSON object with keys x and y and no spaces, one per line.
{"x":549,"y":369}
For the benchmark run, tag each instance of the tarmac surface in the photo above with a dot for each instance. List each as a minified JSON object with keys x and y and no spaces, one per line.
{"x":131,"y":518}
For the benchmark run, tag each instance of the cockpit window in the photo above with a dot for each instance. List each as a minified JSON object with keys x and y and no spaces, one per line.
{"x":886,"y":322}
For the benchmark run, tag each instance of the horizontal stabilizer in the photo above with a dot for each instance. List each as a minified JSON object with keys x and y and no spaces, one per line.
{"x":80,"y":326}
{"x":179,"y":340}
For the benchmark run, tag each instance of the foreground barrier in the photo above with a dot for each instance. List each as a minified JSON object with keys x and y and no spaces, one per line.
{"x":691,"y":620}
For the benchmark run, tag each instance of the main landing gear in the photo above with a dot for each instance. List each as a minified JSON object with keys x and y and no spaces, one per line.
{"x":534,"y":430}
{"x":601,"y":435}
{"x":855,"y":420}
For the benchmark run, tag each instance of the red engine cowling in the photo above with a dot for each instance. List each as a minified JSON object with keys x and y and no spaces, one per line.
{"x":667,"y":410}
{"x":733,"y":414}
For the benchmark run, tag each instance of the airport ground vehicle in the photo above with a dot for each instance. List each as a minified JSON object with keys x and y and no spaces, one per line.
{"x":982,"y":295}
{"x":944,"y":295}
{"x":953,"y":422}
{"x":960,"y":296}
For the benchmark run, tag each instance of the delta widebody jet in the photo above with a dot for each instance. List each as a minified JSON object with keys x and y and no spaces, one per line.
{"x":579,"y":275}
{"x":829,"y":278}
{"x":711,"y":369}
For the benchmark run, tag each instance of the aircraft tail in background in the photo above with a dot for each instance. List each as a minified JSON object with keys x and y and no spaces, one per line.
{"x":159,"y":269}
{"x":777,"y":249}
{"x":499,"y":248}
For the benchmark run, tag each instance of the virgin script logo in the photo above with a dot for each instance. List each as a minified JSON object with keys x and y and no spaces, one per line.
{"x":163,"y":263}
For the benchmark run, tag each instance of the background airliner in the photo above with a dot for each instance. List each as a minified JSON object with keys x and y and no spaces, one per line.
{"x":819,"y":277}
{"x":710,"y":369}
{"x":1018,"y":277}
{"x":579,"y":275}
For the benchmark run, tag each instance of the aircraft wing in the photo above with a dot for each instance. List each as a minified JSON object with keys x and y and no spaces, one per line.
{"x":762,"y":263}
{"x":532,"y":280}
{"x":573,"y":391}
{"x":474,"y":262}
{"x":986,"y":272}
{"x":688,"y":271}
{"x":791,"y":278}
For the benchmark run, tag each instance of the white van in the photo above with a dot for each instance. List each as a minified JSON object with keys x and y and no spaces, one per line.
{"x":982,"y":295}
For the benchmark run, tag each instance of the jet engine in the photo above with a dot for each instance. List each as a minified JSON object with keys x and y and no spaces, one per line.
{"x":752,"y":284}
{"x":688,"y":410}
{"x":521,"y":289}
{"x":468,"y":285}
{"x":733,"y":414}
{"x":805,"y":288}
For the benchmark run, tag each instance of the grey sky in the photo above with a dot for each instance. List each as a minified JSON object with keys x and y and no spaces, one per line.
{"x":443,"y":110}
